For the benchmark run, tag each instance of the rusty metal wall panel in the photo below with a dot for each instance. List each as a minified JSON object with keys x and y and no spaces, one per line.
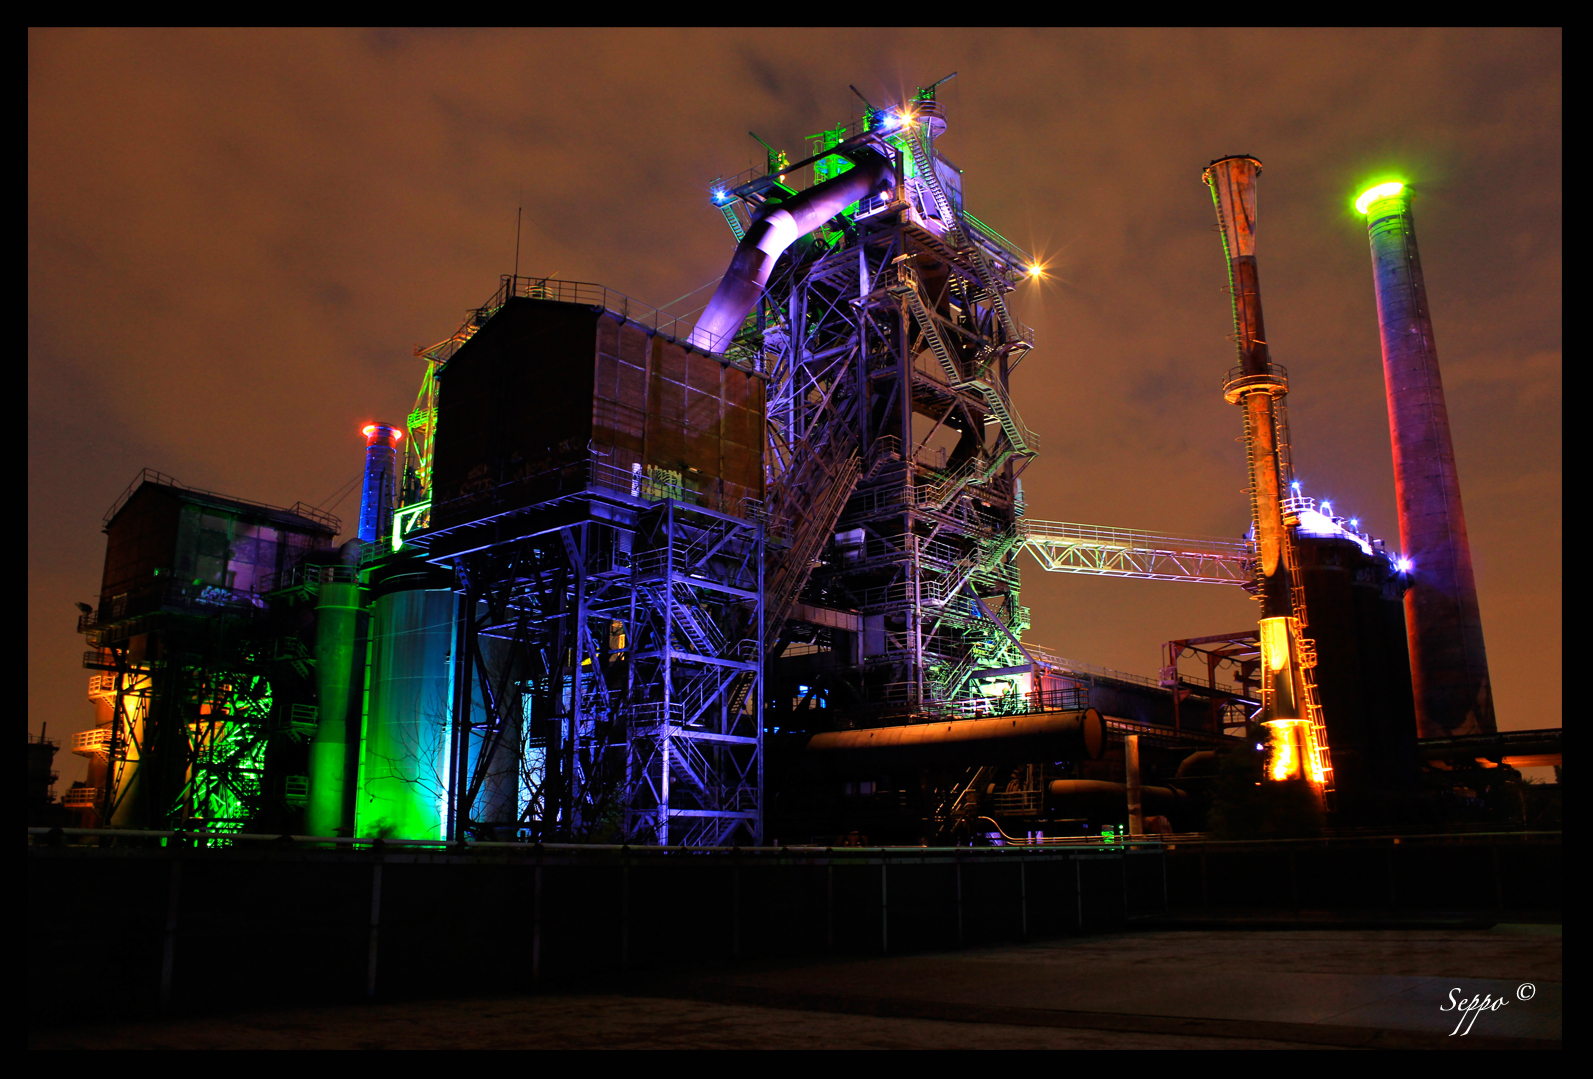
{"x":743,"y":431}
{"x":666,"y":407}
{"x":546,"y":385}
{"x":619,"y":410}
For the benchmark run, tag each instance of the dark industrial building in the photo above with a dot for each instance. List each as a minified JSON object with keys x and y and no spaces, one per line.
{"x":757,"y":579}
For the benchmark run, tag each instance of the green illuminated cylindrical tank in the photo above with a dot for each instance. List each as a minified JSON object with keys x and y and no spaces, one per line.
{"x":404,"y":759}
{"x":336,"y":630}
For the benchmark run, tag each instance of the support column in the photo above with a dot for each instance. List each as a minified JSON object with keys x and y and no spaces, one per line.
{"x":1136,"y":814}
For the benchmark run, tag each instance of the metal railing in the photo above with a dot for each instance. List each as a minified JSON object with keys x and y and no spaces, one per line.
{"x":150,"y":475}
{"x":1069,"y":699}
{"x":93,"y":742}
{"x":590,"y":294}
{"x":1236,"y":380}
{"x":1049,"y":659}
{"x":1068,"y":666}
{"x":576,"y":477}
{"x":306,"y":574}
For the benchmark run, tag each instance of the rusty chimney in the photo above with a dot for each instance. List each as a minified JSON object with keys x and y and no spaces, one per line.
{"x":1289,"y":706}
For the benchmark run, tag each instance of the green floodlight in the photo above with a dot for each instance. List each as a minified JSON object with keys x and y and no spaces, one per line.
{"x":1381,"y":191}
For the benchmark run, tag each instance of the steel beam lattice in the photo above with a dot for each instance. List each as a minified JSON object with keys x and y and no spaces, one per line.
{"x":1120,"y":552}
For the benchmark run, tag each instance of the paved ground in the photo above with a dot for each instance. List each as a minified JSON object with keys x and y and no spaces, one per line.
{"x":1172,"y":989}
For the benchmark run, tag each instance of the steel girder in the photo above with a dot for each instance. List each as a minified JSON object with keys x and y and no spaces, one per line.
{"x":598,"y":660}
{"x":1120,"y":552}
{"x":854,"y":341}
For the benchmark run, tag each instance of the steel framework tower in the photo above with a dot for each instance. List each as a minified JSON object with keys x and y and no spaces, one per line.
{"x":606,"y":672}
{"x":892,"y":566}
{"x":196,"y":687}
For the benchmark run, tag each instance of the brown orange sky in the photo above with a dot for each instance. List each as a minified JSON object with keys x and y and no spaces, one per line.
{"x":236,"y":238}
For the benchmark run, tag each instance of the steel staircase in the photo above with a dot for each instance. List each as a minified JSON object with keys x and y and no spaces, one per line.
{"x":809,"y":501}
{"x":990,"y":388}
{"x":1305,"y":656}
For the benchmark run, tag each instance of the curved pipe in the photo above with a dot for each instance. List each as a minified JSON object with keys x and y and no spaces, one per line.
{"x":1195,"y":762}
{"x":771,"y":232}
{"x":998,"y":740}
{"x":1101,"y":792}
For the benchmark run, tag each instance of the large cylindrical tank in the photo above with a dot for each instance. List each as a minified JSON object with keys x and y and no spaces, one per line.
{"x":404,"y":762}
{"x":496,"y":760}
{"x":1449,"y":665}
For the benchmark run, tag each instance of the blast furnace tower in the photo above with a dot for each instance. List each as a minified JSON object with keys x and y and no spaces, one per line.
{"x":876,"y":303}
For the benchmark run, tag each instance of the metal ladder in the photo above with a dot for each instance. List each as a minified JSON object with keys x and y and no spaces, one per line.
{"x":923,"y":161}
{"x":728,"y":208}
{"x":1306,"y":658}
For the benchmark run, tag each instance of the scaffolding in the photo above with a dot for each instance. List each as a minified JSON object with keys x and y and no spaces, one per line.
{"x":200,"y":693}
{"x":607,"y":675}
{"x":185,"y":738}
{"x":895,"y":309}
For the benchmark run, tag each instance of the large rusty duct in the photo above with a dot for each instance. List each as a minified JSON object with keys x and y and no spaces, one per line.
{"x":1257,"y":385}
{"x":1449,"y":665}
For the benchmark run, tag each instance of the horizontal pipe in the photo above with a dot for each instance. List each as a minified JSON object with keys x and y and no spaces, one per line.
{"x":1023,"y":739}
{"x":1505,"y":743}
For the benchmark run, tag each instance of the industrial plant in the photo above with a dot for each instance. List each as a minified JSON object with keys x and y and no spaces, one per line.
{"x":754,"y":580}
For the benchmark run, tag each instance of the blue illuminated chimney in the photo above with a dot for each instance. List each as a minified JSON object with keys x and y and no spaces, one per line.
{"x":381,"y":480}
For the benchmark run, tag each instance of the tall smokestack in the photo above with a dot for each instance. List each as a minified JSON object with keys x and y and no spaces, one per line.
{"x":1449,"y":665}
{"x":1289,"y":711}
{"x":381,"y":473}
{"x":1256,"y":384}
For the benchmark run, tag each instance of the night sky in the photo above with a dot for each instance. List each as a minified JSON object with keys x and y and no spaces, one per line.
{"x":236,"y":239}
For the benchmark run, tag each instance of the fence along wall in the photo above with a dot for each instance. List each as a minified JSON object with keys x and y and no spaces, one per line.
{"x":208,"y":928}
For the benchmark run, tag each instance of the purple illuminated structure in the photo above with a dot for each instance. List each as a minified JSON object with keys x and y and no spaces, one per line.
{"x":774,"y":230}
{"x":1449,"y":665}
